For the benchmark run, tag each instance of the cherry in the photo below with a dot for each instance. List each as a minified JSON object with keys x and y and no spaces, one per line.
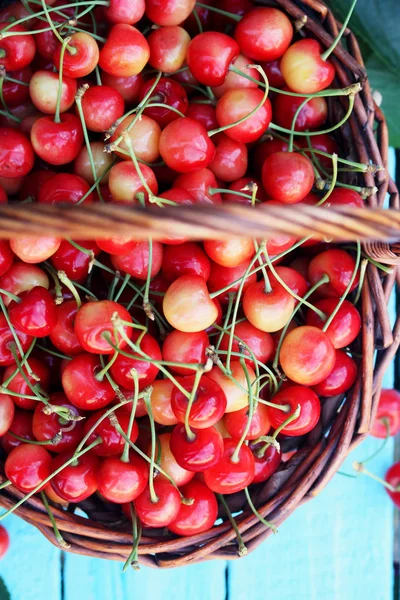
{"x":235,"y":81}
{"x":168,"y":48}
{"x":162,"y":512}
{"x":264,"y":34}
{"x":169,"y":12}
{"x":43,"y":90}
{"x":237,"y":104}
{"x":304,"y":69}
{"x":112,"y":441}
{"x":235,"y":386}
{"x":230,"y":253}
{"x":311,"y":116}
{"x":125,"y":183}
{"x":34,"y":249}
{"x":231,"y":474}
{"x":267,"y":464}
{"x":287,"y":177}
{"x":7,"y":341}
{"x":21,"y":277}
{"x":198,"y":516}
{"x":235,"y":7}
{"x":57,"y":143}
{"x":17,"y":93}
{"x":117,"y":245}
{"x":340,"y":379}
{"x":236,"y":422}
{"x":204,"y":451}
{"x":6,"y":257}
{"x":18,"y":51}
{"x":246,"y":186}
{"x":168,"y":463}
{"x":388,"y":413}
{"x":260,"y":342}
{"x":64,"y":188}
{"x":46,"y":42}
{"x":7,"y":412}
{"x":185,"y":146}
{"x":208,"y":406}
{"x":221,"y":277}
{"x":273,"y":72}
{"x":21,"y":426}
{"x":209,"y":56}
{"x":35,"y":314}
{"x":169,"y":93}
{"x":123,"y":11}
{"x":339,"y":266}
{"x":16,"y":153}
{"x":344,"y":197}
{"x":102,"y":106}
{"x":125,"y":53}
{"x":81,"y":386}
{"x":27,"y":466}
{"x":345,"y":326}
{"x":144,"y":137}
{"x":161,"y":402}
{"x":324,"y":143}
{"x":268,"y":310}
{"x":4,"y":541}
{"x":120,"y":481}
{"x":198,"y":184}
{"x":76,"y":482}
{"x":94,"y":326}
{"x":19,"y":385}
{"x":307,"y":355}
{"x":12,"y":12}
{"x":75,"y":263}
{"x":185,"y":259}
{"x":46,"y":426}
{"x":187,"y":305}
{"x":294,"y":396}
{"x":102,"y":163}
{"x":204,"y":14}
{"x":33,"y":182}
{"x":128,"y":87}
{"x":393,"y":478}
{"x":146,"y":370}
{"x":82,"y":60}
{"x":202,"y":113}
{"x":231,"y":159}
{"x":184,"y":348}
{"x":63,"y":335}
{"x":135,"y":262}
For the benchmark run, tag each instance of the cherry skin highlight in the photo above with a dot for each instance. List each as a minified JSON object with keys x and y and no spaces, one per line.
{"x":227,"y":476}
{"x":185,"y":146}
{"x":209,"y":403}
{"x":125,"y":52}
{"x":264,"y":34}
{"x":209,"y":56}
{"x":268,"y":311}
{"x":162,"y":512}
{"x":27,"y":466}
{"x":187,"y":305}
{"x":303,"y":68}
{"x":121,"y":482}
{"x":287,"y":177}
{"x":199,"y":516}
{"x":204,"y":451}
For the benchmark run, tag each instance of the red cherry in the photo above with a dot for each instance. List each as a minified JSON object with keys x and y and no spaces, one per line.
{"x":198,"y":185}
{"x":81,"y":386}
{"x":125,"y":53}
{"x":45,"y":426}
{"x":125,"y":11}
{"x":112,"y":441}
{"x":185,"y":259}
{"x":307,"y":355}
{"x":234,"y":81}
{"x":18,"y":51}
{"x":7,"y":341}
{"x":231,"y":160}
{"x":78,"y":481}
{"x":17,"y":93}
{"x":19,"y":385}
{"x":117,"y":245}
{"x":236,"y":422}
{"x":202,"y":113}
{"x":209,"y":56}
{"x":237,"y":397}
{"x":4,"y":541}
{"x":198,"y":516}
{"x":16,"y":153}
{"x":287,"y":176}
{"x":161,"y":402}
{"x":93,"y":323}
{"x":184,"y":348}
{"x":102,"y":106}
{"x":21,"y":277}
{"x":125,"y":182}
{"x":3,"y":197}
{"x":221,"y":277}
{"x":228,"y":476}
{"x":121,"y":370}
{"x":7,"y":412}
{"x":187,"y":305}
{"x":311,"y":116}
{"x":264,"y":34}
{"x":304,"y":69}
{"x":345,"y":326}
{"x":324,"y":143}
{"x":344,"y":197}
{"x":230,"y":253}
{"x":268,"y":311}
{"x":389,"y":409}
{"x":35,"y":249}
{"x":185,"y":146}
{"x":393,"y":478}
{"x":64,"y":188}
{"x":33,"y":182}
{"x":83,"y":60}
{"x":168,"y":48}
{"x":200,"y":453}
{"x":74,"y":262}
{"x":36,"y":314}
{"x":209,"y":403}
{"x":27,"y":466}
{"x":57,"y":143}
{"x":340,"y":379}
{"x":22,"y":426}
{"x":43,"y":90}
{"x":169,"y":12}
{"x":168,"y":463}
{"x":136,"y":261}
{"x":128,"y":87}
{"x":339,"y":266}
{"x":167,"y":92}
{"x":165,"y":510}
{"x":273,"y":72}
{"x":144,"y":136}
{"x":293,"y":396}
{"x":63,"y":335}
{"x":267,"y":464}
{"x":237,"y":104}
{"x":46,"y":41}
{"x":293,"y":279}
{"x":244,"y":185}
{"x":259,"y":342}
{"x":6,"y":257}
{"x":120,"y":481}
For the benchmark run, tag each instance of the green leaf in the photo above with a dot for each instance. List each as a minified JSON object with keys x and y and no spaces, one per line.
{"x":388,"y":85}
{"x":4,"y":593}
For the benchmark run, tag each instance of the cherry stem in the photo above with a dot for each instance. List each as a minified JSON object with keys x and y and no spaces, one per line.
{"x":325,"y":55}
{"x":49,"y":478}
{"x":214,"y":191}
{"x":133,"y":558}
{"x":61,"y":542}
{"x":55,"y":32}
{"x":292,"y":417}
{"x":363,"y":272}
{"x":257,"y":514}
{"x":386,"y":423}
{"x":252,"y":407}
{"x":242,"y":549}
{"x":54,"y":441}
{"x":14,"y":333}
{"x":219,"y":11}
{"x":189,"y":433}
{"x":63,"y":277}
{"x":267,"y":283}
{"x":332,"y":184}
{"x":125,"y":453}
{"x":252,"y":112}
{"x":153,"y":496}
{"x":60,"y":79}
{"x":5,"y":484}
{"x":10,"y":295}
{"x":78,"y":100}
{"x":359,"y":467}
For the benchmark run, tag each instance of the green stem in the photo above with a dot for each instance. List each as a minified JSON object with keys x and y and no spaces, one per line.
{"x":242,"y":549}
{"x":257,"y":514}
{"x":252,"y":406}
{"x":153,"y":496}
{"x":125,"y":453}
{"x":61,"y":542}
{"x":219,"y":11}
{"x":189,"y":433}
{"x":133,"y":558}
{"x":325,"y":55}
{"x":60,"y":77}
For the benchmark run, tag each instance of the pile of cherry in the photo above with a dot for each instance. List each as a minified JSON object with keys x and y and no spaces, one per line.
{"x":163,"y":375}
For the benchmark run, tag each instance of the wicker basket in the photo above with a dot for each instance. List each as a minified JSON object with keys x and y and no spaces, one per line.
{"x":364,"y":138}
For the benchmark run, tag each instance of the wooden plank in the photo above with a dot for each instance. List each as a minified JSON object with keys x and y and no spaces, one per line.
{"x":31,"y":567}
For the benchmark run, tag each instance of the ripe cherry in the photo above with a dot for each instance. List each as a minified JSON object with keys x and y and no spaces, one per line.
{"x":136,"y":262}
{"x":210,"y":55}
{"x":16,"y":153}
{"x":344,"y":197}
{"x":43,"y":90}
{"x":235,"y":81}
{"x":340,"y":379}
{"x":237,"y":104}
{"x":33,"y":250}
{"x":166,"y":92}
{"x":16,"y":51}
{"x":46,"y":426}
{"x":221,"y":277}
{"x":268,"y":310}
{"x":80,"y":61}
{"x":102,"y":105}
{"x":185,"y":259}
{"x":128,"y":87}
{"x":198,"y":184}
{"x":185,"y":146}
{"x":185,"y":348}
{"x":293,"y":279}
{"x":16,"y":93}
{"x":7,"y":411}
{"x":4,"y":541}
{"x":161,"y":402}
{"x":235,"y":386}
{"x":198,"y":516}
{"x":6,"y":257}
{"x":294,"y":396}
{"x":122,"y":11}
{"x":125,"y":53}
{"x":187,"y":305}
{"x":38,"y":375}
{"x":339,"y":265}
{"x":120,"y":481}
{"x":393,"y":478}
{"x":200,"y":453}
{"x":273,"y":72}
{"x":169,"y":12}
{"x":230,"y":253}
{"x":35,"y":314}
{"x":304,"y":69}
{"x":208,"y":406}
{"x":231,"y":474}
{"x":345,"y":326}
{"x":78,"y":481}
{"x":125,"y":183}
{"x":81,"y":386}
{"x":21,"y":277}
{"x":21,"y":426}
{"x":266,"y":461}
{"x":168,"y":463}
{"x":57,"y":143}
{"x":63,"y":335}
{"x":121,"y":370}
{"x":144,"y":136}
{"x":287,"y":177}
{"x":168,"y":48}
{"x":162,"y":512}
{"x":112,"y":441}
{"x":64,"y":188}
{"x":264,"y":34}
{"x":307,"y":355}
{"x":203,"y":113}
{"x":311,"y":116}
{"x":231,"y":159}
{"x":7,"y":342}
{"x":260,"y":342}
{"x":236,"y":422}
{"x":387,"y":418}
{"x":27,"y":466}
{"x":75,"y":263}
{"x":94,"y":326}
